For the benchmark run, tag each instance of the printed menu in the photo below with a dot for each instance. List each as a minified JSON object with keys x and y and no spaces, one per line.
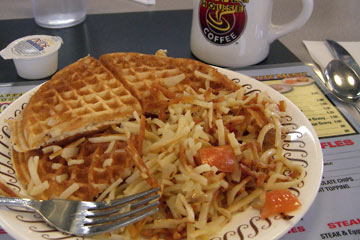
{"x":304,"y":92}
{"x":335,"y":213}
{"x":323,"y":115}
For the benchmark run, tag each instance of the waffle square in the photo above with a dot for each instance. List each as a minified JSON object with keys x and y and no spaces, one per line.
{"x":154,"y":78}
{"x":80,"y":98}
{"x":86,"y":173}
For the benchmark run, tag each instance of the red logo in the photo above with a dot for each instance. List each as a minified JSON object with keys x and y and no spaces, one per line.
{"x":222,"y":22}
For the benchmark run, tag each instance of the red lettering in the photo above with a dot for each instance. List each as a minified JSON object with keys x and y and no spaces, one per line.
{"x":323,"y":145}
{"x":352,"y":222}
{"x":331,"y":225}
{"x":339,"y":143}
{"x":338,"y":223}
{"x":344,"y":223}
{"x":348,"y":142}
{"x":297,"y":229}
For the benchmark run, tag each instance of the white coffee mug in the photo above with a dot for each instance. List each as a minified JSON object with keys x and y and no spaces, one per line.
{"x":238,"y":33}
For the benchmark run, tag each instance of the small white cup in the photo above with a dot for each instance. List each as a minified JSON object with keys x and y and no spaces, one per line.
{"x":238,"y":33}
{"x":37,"y":68}
{"x":35,"y":56}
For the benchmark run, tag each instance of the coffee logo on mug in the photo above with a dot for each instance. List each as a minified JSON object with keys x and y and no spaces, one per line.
{"x":222,"y":21}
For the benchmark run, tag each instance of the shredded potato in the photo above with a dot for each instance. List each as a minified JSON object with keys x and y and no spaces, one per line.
{"x":70,"y":190}
{"x":198,"y":199}
{"x":198,"y":196}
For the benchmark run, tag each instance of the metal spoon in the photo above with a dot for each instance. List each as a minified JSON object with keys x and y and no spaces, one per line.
{"x":343,"y":82}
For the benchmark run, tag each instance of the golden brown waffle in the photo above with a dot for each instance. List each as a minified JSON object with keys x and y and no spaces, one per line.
{"x":90,"y":174}
{"x":85,"y":98}
{"x":82,"y":97}
{"x":154,"y":78}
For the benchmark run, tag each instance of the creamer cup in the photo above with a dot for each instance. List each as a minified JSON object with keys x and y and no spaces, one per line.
{"x":34,"y":56}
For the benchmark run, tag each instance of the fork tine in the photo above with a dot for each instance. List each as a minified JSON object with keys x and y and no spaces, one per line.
{"x":101,"y":228}
{"x":102,"y":211}
{"x":144,"y":201}
{"x":124,"y":200}
{"x":116,"y":217}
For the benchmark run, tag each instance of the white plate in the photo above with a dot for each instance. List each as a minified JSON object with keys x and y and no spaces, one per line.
{"x":301,"y":145}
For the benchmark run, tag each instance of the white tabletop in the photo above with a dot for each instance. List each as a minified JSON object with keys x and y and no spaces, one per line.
{"x":331,"y":19}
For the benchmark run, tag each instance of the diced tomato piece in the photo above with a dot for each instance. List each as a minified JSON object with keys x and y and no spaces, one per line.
{"x":279,"y":201}
{"x":222,"y":157}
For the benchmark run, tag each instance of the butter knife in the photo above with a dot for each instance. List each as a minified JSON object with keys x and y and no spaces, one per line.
{"x":341,"y":53}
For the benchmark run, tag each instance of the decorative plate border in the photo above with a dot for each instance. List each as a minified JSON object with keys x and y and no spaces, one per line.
{"x":294,"y":146}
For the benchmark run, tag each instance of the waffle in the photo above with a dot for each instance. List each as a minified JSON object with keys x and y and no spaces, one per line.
{"x":82,"y":97}
{"x":155,"y":78}
{"x":83,"y":100}
{"x":87,"y":169}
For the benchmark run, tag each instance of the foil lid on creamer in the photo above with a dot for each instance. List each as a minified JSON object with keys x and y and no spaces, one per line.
{"x":32,"y":47}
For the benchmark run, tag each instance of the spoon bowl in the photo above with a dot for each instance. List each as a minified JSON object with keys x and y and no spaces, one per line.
{"x":343,"y":81}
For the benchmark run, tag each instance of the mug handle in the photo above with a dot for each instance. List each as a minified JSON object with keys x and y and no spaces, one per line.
{"x":277,"y":31}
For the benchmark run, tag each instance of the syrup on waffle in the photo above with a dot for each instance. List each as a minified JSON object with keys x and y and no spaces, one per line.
{"x":82,"y":97}
{"x":154,"y":78}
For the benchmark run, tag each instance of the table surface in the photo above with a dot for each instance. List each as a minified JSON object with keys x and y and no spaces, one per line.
{"x":330,"y":19}
{"x":98,"y":35}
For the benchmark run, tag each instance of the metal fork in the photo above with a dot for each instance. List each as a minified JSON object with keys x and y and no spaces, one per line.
{"x":84,"y":218}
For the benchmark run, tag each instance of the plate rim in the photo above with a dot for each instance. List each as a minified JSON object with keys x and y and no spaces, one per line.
{"x":11,"y":230}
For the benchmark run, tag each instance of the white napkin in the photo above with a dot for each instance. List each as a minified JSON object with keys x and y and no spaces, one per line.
{"x":321,"y":54}
{"x":146,"y":2}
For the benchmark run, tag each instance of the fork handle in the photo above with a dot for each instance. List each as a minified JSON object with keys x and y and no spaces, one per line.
{"x":16,"y":202}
